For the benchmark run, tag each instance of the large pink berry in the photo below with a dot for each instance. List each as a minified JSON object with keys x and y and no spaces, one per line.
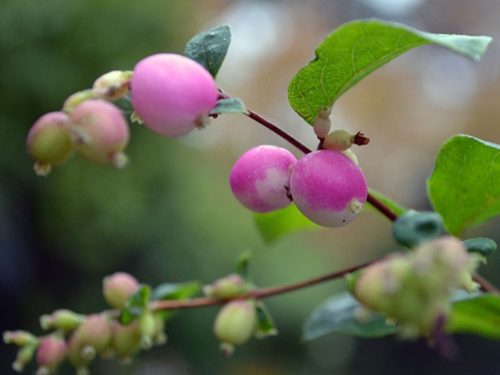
{"x":102,"y":131}
{"x":328,"y":188}
{"x":172,"y":94}
{"x":261,"y":177}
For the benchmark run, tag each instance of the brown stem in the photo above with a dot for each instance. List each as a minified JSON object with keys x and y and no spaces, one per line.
{"x":258,"y":293}
{"x":485,"y":284}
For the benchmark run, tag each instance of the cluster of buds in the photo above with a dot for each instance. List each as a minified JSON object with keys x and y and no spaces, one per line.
{"x":80,"y":339}
{"x":414,"y":289}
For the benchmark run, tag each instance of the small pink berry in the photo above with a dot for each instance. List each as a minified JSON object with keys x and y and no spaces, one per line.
{"x":172,"y":94}
{"x":261,"y":176}
{"x":51,"y":352}
{"x":118,"y":287}
{"x":101,"y":130}
{"x":328,"y":188}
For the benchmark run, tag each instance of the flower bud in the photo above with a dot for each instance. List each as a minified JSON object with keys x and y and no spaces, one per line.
{"x":62,"y":319}
{"x":24,"y":356}
{"x":322,"y":123}
{"x":101,"y":132}
{"x":49,"y":141}
{"x":339,"y":140}
{"x":126,"y":339}
{"x":236,"y":322}
{"x":118,"y":287}
{"x":227,"y":287}
{"x":19,"y":338}
{"x":112,"y":85}
{"x":50,"y":353}
{"x":147,"y":326}
{"x":76,"y":99}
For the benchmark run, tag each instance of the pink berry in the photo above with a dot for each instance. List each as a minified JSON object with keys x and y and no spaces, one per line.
{"x":51,"y":352}
{"x":102,"y":131}
{"x":49,"y":140}
{"x":328,"y":188}
{"x":172,"y":94}
{"x":261,"y":177}
{"x":118,"y":287}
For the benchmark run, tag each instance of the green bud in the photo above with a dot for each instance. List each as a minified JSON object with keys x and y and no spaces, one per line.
{"x":62,"y":319}
{"x":236,"y":322}
{"x":147,"y":326}
{"x":24,"y":357}
{"x":112,"y":85}
{"x":339,"y":140}
{"x":19,"y":338}
{"x":227,"y":287}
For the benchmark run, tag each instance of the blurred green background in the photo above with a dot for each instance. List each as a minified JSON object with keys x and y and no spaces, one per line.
{"x":170,"y":216}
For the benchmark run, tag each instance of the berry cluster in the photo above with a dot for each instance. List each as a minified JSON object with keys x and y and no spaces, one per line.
{"x":79,"y":339}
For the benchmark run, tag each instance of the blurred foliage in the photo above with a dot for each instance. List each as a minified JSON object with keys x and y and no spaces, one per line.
{"x":168,"y":217}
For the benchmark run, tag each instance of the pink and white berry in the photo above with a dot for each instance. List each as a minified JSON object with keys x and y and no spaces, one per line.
{"x":328,"y":188}
{"x":261,"y":177}
{"x":103,"y":131}
{"x":172,"y":94}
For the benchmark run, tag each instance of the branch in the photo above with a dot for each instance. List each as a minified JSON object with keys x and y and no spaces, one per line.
{"x":259,"y":293}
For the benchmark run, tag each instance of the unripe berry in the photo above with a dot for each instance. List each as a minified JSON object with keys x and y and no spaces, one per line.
{"x":50,"y":354}
{"x":328,"y":188}
{"x":172,"y":94}
{"x":95,"y":332}
{"x":24,"y":356}
{"x":112,"y":85}
{"x":322,"y":123}
{"x":261,"y":177}
{"x":126,"y":339}
{"x":147,"y":326}
{"x":101,"y":130}
{"x":236,"y":322}
{"x":118,"y":287}
{"x":49,"y":140}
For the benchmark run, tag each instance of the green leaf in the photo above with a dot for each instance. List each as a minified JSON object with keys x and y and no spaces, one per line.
{"x":173,"y":291}
{"x":209,"y":48}
{"x":465,"y":184}
{"x":395,"y":207}
{"x":481,"y":245}
{"x":480,"y":316}
{"x":243,"y":263}
{"x":229,"y":105}
{"x":265,"y":322}
{"x":275,"y":225}
{"x":339,"y":314}
{"x":415,"y":227}
{"x":357,"y":48}
{"x":136,"y":304}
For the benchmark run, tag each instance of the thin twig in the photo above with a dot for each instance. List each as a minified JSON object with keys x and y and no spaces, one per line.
{"x":258,"y":293}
